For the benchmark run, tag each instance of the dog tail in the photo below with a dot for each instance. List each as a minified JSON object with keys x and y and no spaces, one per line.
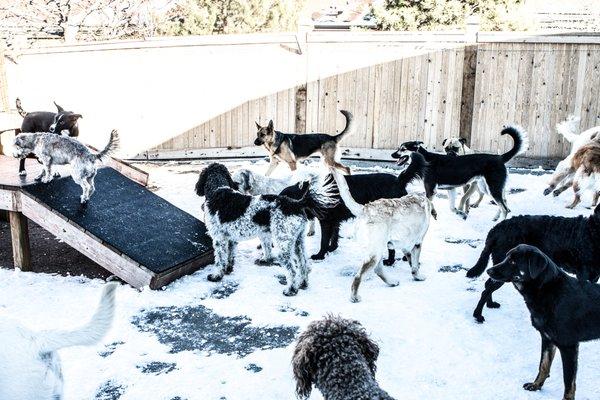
{"x":482,"y":262}
{"x":521,"y":140}
{"x":20,"y":110}
{"x":87,"y":335}
{"x":350,"y":125}
{"x":354,"y":207}
{"x":416,"y":169}
{"x":568,"y":127}
{"x":111,"y":146}
{"x":316,"y":197}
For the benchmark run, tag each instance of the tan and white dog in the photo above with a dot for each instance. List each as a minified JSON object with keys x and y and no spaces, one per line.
{"x":401,"y":222}
{"x":458,"y":147}
{"x":564,"y":174}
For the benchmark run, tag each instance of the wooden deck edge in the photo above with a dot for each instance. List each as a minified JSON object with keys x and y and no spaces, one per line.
{"x":164,"y":278}
{"x":82,"y":242}
{"x":10,"y":200}
{"x":131,"y":171}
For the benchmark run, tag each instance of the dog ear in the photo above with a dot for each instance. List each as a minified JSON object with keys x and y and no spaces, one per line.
{"x":537,"y":263}
{"x":462,"y":140}
{"x":258,"y":125}
{"x":200,"y":184}
{"x":59,"y":108}
{"x":368,"y":347}
{"x":75,"y":117}
{"x":304,"y":365}
{"x":270,"y":126}
{"x":444,"y":142}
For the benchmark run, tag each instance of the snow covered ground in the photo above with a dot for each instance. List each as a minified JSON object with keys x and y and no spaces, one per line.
{"x":234,"y":340}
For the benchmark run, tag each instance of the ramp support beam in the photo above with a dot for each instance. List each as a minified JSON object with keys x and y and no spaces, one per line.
{"x":19,"y":233}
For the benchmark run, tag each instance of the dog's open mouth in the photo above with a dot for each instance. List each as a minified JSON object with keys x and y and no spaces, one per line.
{"x":402,"y":160}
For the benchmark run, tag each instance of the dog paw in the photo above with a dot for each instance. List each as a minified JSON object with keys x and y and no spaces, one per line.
{"x":556,"y":193}
{"x":434,"y":214}
{"x":317,"y":257}
{"x":471,"y":274}
{"x":303,"y":285}
{"x":388,"y":262}
{"x":492,"y":304}
{"x":22,"y":173}
{"x":532,"y":387}
{"x":290,"y":292}
{"x":479,"y":318}
{"x":547,"y":191}
{"x":264,"y":261}
{"x":393,"y":283}
{"x":310,"y":233}
{"x":355,"y":299}
{"x":214,"y":277}
{"x":418,"y":277}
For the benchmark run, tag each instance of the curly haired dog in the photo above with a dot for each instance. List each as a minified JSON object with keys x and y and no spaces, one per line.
{"x":231,"y":216}
{"x":31,"y":367}
{"x":338,"y":357}
{"x":572,"y":243}
{"x":53,"y":149}
{"x":400,"y":223}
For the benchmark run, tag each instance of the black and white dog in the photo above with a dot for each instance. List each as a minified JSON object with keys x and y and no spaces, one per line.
{"x":47,"y":121}
{"x":364,"y":188}
{"x":451,"y":172}
{"x":564,"y":310}
{"x":573,"y":243}
{"x":231,"y":216}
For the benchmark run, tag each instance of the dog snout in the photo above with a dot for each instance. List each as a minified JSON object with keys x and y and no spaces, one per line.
{"x":498,"y":273}
{"x":52,"y":128}
{"x":257,"y":142}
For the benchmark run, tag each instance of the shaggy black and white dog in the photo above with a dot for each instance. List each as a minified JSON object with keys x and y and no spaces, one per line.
{"x":364,"y":188}
{"x":231,"y":216}
{"x":451,"y":172}
{"x":572,"y":243}
{"x":338,"y":357}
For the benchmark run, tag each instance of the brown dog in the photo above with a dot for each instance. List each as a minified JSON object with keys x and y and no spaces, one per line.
{"x":292,"y":147}
{"x":586,"y":167}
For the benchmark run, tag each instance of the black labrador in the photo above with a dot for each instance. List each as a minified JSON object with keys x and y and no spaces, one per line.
{"x":564,"y":310}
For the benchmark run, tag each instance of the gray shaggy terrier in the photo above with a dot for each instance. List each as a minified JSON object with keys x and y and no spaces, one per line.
{"x":338,"y":357}
{"x":53,"y":149}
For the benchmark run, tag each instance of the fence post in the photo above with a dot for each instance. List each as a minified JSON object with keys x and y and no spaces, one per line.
{"x":468,"y":82}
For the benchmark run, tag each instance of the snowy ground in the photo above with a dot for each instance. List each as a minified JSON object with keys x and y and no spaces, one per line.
{"x":234,"y":340}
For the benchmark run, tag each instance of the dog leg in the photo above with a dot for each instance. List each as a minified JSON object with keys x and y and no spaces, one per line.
{"x":290,"y":266}
{"x":231,"y":248}
{"x":335,"y":237}
{"x":367,"y":265}
{"x":272,"y":165}
{"x":465,"y":201}
{"x":430,"y":192}
{"x":221,"y":247}
{"x":311,"y":228}
{"x":302,"y":264}
{"x":567,"y":183}
{"x":415,"y":263}
{"x":41,"y":175}
{"x":486,"y":296}
{"x":577,"y":198}
{"x":548,"y":351}
{"x":380,"y":273}
{"x":481,"y":196}
{"x":22,"y":171}
{"x":326,"y":229}
{"x":292,"y":165}
{"x":557,"y":178}
{"x":569,"y":355}
{"x":267,"y":247}
{"x":391,"y":255}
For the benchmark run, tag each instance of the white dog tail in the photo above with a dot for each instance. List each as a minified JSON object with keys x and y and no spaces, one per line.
{"x":353,"y":206}
{"x":111,"y":146}
{"x":568,"y":128}
{"x":88,"y":334}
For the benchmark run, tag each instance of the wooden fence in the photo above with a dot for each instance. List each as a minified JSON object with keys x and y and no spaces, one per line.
{"x":470,"y":90}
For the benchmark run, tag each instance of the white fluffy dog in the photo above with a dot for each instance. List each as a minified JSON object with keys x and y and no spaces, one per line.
{"x":562,"y":178}
{"x":31,"y":368}
{"x":401,"y":222}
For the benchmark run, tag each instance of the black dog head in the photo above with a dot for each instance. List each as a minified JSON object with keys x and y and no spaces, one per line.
{"x":524,"y":265}
{"x":264,"y":134}
{"x":64,"y":120}
{"x":403,"y":153}
{"x":329,"y":343}
{"x":213,"y":177}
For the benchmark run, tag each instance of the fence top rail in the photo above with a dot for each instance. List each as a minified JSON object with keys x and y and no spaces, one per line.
{"x":291,"y":38}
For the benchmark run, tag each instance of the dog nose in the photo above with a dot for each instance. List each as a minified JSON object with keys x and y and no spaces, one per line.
{"x":52,"y":128}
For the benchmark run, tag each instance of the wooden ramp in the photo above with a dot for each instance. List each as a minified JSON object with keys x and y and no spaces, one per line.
{"x":130,"y":231}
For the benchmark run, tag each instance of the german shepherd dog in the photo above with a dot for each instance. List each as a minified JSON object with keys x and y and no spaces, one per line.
{"x":564,"y":310}
{"x":292,"y":147}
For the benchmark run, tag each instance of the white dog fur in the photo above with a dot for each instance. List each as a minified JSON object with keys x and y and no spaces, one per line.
{"x":31,"y":367}
{"x":401,"y":222}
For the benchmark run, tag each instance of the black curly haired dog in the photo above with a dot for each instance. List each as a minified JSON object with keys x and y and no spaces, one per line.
{"x":572,"y":243}
{"x":364,"y":188}
{"x":231,"y":217}
{"x":338,"y":357}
